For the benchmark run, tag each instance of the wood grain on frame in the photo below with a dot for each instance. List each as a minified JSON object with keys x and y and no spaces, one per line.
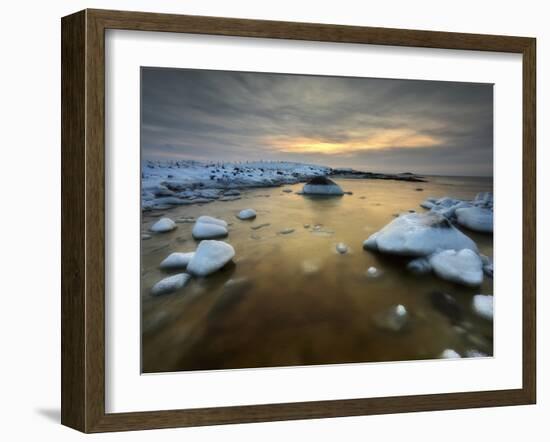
{"x":83,"y":220}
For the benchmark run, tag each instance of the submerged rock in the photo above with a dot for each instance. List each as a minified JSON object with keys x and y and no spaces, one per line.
{"x":176,"y":261}
{"x":395,"y":319}
{"x":483,"y":306}
{"x":286,"y":231}
{"x":321,"y":185}
{"x":247,"y":214}
{"x":287,"y":190}
{"x":170,"y":284}
{"x":463,"y":267}
{"x":418,"y":234}
{"x":446,"y":305}
{"x":163,"y":225}
{"x":476,"y":218}
{"x":210,"y":257}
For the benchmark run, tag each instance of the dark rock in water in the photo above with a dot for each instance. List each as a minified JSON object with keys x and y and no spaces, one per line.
{"x":419,"y":189}
{"x":446,"y":305}
{"x":321,"y":185}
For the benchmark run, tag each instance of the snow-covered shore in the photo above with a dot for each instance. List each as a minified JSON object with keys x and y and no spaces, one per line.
{"x":165,"y":184}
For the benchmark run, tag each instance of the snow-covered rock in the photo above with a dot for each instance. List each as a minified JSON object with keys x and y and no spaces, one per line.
{"x":202,"y":230}
{"x":419,"y":266}
{"x":247,"y":214}
{"x":322,"y":185}
{"x":170,"y":284}
{"x":176,"y":260}
{"x":163,"y":225}
{"x":476,"y":218}
{"x":209,"y":257}
{"x":483,"y":306}
{"x":463,"y":267}
{"x":418,"y":234}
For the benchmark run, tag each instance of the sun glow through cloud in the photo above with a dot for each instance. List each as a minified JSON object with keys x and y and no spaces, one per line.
{"x":375,"y":140}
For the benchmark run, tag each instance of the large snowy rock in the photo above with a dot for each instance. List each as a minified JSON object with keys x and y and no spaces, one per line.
{"x":418,"y":234}
{"x":247,"y":214}
{"x":321,"y":185}
{"x":170,"y":284}
{"x":476,"y":218}
{"x":209,"y":257}
{"x":463,"y":267}
{"x":163,"y":225}
{"x":176,"y":261}
{"x":483,"y":306}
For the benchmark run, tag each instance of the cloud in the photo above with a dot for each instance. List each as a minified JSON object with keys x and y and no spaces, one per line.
{"x":428,"y":126}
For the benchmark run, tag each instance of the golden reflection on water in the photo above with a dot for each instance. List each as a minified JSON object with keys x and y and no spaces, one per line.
{"x":293,"y":299}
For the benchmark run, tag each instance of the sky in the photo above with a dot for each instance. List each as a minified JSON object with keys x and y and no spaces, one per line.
{"x":369,"y":124}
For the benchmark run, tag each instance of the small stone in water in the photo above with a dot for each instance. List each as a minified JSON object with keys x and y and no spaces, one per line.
{"x":145,"y":236}
{"x":170,"y":284}
{"x":287,"y":190}
{"x":306,"y":226}
{"x":247,"y":214}
{"x":286,"y":231}
{"x":373,"y":272}
{"x":394,"y":319}
{"x":341,"y":248}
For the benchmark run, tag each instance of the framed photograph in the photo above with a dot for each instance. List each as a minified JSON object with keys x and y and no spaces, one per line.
{"x":269,"y":220}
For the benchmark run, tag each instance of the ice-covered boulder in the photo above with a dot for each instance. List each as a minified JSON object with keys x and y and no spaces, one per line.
{"x":476,"y":218}
{"x":463,"y":267}
{"x":247,"y":214}
{"x":209,"y":257}
{"x":170,"y":284}
{"x":321,"y":185}
{"x":483,"y":306}
{"x":418,"y":234}
{"x":208,"y":231}
{"x":163,"y":225}
{"x":176,"y":260}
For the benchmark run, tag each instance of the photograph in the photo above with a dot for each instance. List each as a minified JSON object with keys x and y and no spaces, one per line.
{"x":301,"y":220}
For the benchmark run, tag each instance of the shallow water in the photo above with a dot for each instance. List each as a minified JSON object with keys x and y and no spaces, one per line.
{"x":294,"y":300}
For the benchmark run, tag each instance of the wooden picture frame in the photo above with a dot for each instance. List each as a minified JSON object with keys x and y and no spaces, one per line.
{"x":83,"y":220}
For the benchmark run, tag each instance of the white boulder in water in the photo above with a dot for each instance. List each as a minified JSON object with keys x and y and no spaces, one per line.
{"x":476,"y":218}
{"x":170,"y":284}
{"x":163,"y":225}
{"x":321,"y":185}
{"x":207,"y":227}
{"x":247,"y":214}
{"x":176,"y":260}
{"x":418,"y":234}
{"x":483,"y":306}
{"x":463,"y":267}
{"x":209,"y":257}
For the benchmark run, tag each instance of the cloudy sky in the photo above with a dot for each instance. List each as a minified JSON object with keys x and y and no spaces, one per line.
{"x":379,"y":125}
